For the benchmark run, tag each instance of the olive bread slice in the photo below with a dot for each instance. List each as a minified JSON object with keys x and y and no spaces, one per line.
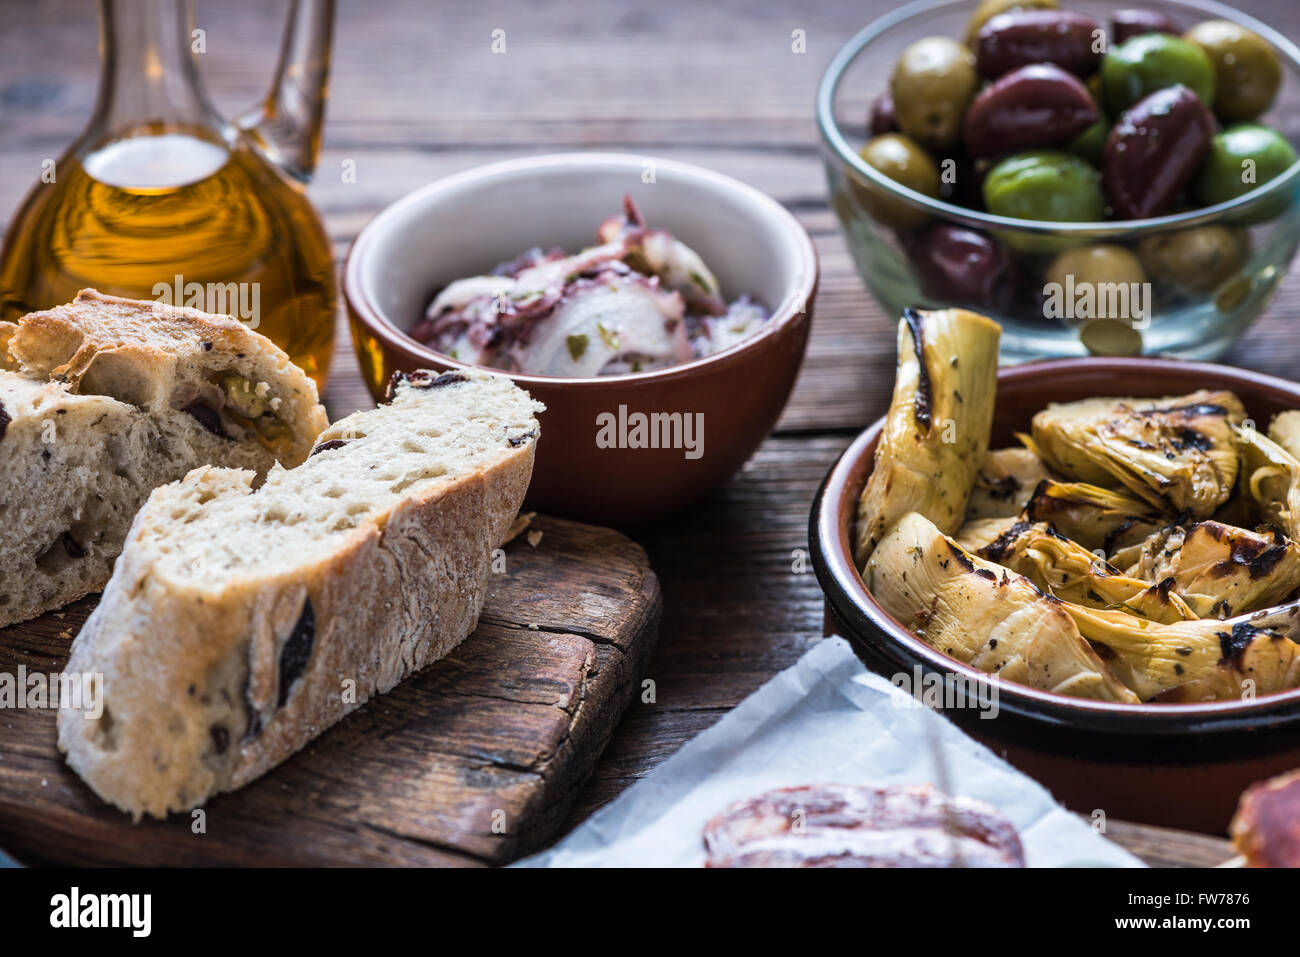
{"x":240,"y":623}
{"x":104,"y":399}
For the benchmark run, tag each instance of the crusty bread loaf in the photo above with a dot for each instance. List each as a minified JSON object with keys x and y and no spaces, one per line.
{"x":105,"y":399}
{"x":239,"y":624}
{"x":7,"y":330}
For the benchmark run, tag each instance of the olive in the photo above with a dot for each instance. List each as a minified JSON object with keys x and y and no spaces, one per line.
{"x":933,"y":84}
{"x":960,"y":176}
{"x":959,"y":265}
{"x":1127,"y":24}
{"x":1154,"y":151}
{"x":1111,"y":337}
{"x":883,"y":119}
{"x":1095,"y":266}
{"x":1021,"y":37}
{"x":989,"y":9}
{"x":1232,"y":295}
{"x":903,"y":161}
{"x":1194,"y":260}
{"x":1247,"y":72}
{"x":1241,"y":158}
{"x":1094,"y":88}
{"x":1033,"y":107}
{"x":1109,"y":277}
{"x":1150,"y":62}
{"x":1044,"y":185}
{"x":1091,"y":143}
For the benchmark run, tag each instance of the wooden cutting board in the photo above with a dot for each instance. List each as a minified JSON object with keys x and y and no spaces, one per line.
{"x":474,"y":761}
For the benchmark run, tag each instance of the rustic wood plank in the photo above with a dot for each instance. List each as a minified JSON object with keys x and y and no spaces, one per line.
{"x":475,"y":760}
{"x":1166,"y":847}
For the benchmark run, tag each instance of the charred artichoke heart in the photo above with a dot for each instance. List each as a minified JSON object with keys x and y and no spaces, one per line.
{"x":937,"y":430}
{"x":1270,"y":477}
{"x":1206,"y":660}
{"x":1177,"y":454}
{"x":1285,"y":431}
{"x":1005,"y":481}
{"x":978,"y":532}
{"x":1068,"y":571}
{"x":1223,"y":571}
{"x":1099,"y":519}
{"x":982,"y":614}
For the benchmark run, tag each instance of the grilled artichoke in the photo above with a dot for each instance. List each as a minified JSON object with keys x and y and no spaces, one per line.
{"x":1100,"y":519}
{"x":1223,"y":571}
{"x":978,"y":532}
{"x":1285,"y":431}
{"x":982,"y":614}
{"x":937,"y":429}
{"x":1175,"y":453}
{"x":1205,"y":660}
{"x":1067,"y":570}
{"x":1270,"y":476}
{"x":1005,"y":481}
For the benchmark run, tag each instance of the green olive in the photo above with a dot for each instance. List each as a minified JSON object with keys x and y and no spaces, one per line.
{"x":1045,"y":185}
{"x":932,"y":85}
{"x":1095,"y":266}
{"x":1091,"y":143}
{"x":1108,"y":274}
{"x":1194,"y":260}
{"x":1246,"y":69}
{"x":989,"y":9}
{"x":1095,"y":87}
{"x":1152,"y":61}
{"x":903,"y":161}
{"x":1241,"y":158}
{"x":1233,"y":295}
{"x":242,"y":396}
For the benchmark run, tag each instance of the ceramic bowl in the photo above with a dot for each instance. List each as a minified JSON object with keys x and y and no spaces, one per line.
{"x":467,"y":223}
{"x":1180,"y":765}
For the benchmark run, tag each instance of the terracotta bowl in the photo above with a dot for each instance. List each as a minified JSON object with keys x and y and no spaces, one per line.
{"x":1174,"y":765}
{"x":465,"y":224}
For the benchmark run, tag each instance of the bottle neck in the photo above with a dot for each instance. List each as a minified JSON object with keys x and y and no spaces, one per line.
{"x":148,"y":78}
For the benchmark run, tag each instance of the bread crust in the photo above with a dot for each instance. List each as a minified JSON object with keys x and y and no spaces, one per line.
{"x":104,"y":399}
{"x":141,"y":352}
{"x":197,"y":698}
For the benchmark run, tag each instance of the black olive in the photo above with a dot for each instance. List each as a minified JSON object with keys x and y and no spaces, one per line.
{"x":71,"y":547}
{"x":207,"y":417}
{"x":327,"y":446}
{"x":422,"y":379}
{"x":296,"y":651}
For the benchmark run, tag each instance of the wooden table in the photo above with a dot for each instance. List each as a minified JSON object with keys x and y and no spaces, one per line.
{"x":417,"y":93}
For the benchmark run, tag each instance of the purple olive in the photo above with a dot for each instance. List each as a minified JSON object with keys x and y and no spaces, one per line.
{"x":1021,"y":37}
{"x":1035,"y":107}
{"x":883,"y":119}
{"x":960,"y":179}
{"x":1126,"y":24}
{"x":1154,"y":150}
{"x":959,"y":265}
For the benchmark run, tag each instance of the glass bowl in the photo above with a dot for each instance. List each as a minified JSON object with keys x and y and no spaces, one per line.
{"x":1195,"y":315}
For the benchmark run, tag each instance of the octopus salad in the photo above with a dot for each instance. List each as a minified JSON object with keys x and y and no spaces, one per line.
{"x":639,"y":300}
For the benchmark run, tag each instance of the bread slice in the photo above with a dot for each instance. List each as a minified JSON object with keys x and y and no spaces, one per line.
{"x":241,"y":623}
{"x":105,"y":399}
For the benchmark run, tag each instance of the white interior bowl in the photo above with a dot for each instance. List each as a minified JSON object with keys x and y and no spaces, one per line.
{"x":466,"y":224}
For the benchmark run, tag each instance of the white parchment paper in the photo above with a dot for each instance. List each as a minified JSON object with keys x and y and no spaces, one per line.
{"x":826,"y":720}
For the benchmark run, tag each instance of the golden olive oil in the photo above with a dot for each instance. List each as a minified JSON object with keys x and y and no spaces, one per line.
{"x":166,"y":214}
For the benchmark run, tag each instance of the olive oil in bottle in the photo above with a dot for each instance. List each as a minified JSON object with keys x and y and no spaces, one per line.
{"x":174,"y":217}
{"x":161,"y":198}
